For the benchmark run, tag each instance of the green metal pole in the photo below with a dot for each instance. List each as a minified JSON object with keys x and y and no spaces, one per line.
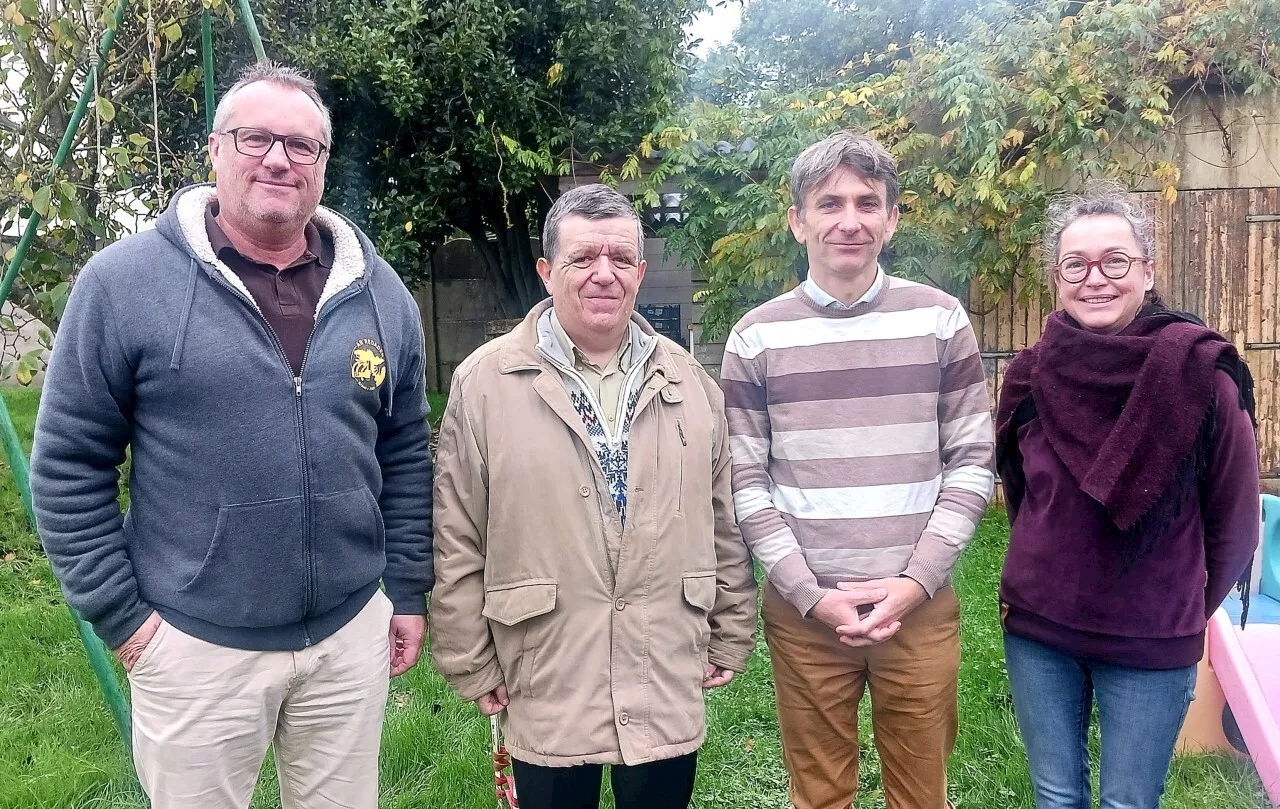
{"x":99,"y":658}
{"x":29,"y":232}
{"x":206,"y":43}
{"x":252,"y":28}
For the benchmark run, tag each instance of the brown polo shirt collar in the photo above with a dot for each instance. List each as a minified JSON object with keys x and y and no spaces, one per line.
{"x":318,"y":249}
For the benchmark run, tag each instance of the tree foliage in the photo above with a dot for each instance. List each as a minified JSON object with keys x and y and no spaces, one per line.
{"x":784,"y":45}
{"x":451,"y":116}
{"x":459,"y":115}
{"x":985,"y":129}
{"x":48,"y":49}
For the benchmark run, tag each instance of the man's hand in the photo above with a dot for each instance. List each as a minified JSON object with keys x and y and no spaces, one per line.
{"x":716,"y":677}
{"x":494,"y":702}
{"x":405,"y":640}
{"x":840,"y":607}
{"x":129,"y":651}
{"x":902,"y":595}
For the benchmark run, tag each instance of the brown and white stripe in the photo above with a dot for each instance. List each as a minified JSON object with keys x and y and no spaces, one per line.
{"x":862,"y":439}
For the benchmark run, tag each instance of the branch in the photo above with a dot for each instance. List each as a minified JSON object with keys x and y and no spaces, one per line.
{"x":55,"y":96}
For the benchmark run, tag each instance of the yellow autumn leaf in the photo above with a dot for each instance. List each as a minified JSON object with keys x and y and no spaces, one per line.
{"x":555,"y":74}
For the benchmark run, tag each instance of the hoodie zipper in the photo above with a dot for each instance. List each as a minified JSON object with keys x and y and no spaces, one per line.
{"x":307,"y":556}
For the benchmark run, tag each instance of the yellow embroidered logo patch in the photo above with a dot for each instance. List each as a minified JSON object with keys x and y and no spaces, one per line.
{"x":368,"y":364}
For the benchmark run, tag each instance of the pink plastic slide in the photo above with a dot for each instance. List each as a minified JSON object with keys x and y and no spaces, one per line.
{"x":1248,"y":667}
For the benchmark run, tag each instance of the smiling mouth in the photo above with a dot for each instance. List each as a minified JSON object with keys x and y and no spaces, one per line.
{"x":1098,"y":299}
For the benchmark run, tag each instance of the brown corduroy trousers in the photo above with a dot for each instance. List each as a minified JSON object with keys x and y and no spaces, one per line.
{"x":819,"y":683}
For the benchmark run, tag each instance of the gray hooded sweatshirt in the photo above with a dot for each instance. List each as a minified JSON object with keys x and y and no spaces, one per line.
{"x":265,"y":509}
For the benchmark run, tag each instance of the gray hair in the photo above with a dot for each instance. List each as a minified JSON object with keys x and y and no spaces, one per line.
{"x":1099,"y":198}
{"x":861,"y":153}
{"x":594,"y":201}
{"x":282,"y":76}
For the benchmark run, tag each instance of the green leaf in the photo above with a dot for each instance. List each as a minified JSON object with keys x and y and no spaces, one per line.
{"x":106,"y":110}
{"x":41,"y":200}
{"x":173,"y":32}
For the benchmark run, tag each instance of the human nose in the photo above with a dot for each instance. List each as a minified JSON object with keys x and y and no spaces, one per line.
{"x":849,"y":220}
{"x":602,"y":270}
{"x":1093,"y":275}
{"x":275,"y":158}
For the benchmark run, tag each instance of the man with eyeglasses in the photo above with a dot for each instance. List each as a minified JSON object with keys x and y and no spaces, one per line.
{"x":264,"y":369}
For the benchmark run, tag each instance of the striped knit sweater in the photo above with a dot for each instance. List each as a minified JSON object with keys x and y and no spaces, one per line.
{"x":862,"y":439}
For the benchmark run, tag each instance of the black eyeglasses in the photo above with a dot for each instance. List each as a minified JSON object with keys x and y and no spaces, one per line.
{"x":252,"y":142}
{"x":1116,"y":265}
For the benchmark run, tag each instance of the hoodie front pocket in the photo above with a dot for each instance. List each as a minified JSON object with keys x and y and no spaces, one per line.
{"x":347,"y":538}
{"x":253,"y":574}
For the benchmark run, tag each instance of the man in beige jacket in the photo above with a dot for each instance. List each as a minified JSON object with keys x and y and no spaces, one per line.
{"x":590,"y":577}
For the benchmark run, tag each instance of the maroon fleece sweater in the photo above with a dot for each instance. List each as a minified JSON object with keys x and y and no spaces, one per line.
{"x":1066,"y":583}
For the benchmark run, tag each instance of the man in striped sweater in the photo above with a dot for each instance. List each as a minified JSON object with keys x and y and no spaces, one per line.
{"x":862,"y":461}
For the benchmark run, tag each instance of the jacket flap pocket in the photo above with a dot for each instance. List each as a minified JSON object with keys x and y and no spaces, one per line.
{"x":509,"y":604}
{"x":670,"y":395}
{"x":700,"y":590}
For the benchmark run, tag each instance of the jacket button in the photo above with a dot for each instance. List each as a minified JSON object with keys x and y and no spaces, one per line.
{"x":624,"y":718}
{"x":585,"y":491}
{"x":620,"y":604}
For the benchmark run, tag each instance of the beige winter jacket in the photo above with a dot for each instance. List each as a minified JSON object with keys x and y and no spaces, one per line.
{"x":601,"y":668}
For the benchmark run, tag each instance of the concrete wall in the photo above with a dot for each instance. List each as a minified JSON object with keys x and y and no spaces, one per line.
{"x":1228,"y":142}
{"x":460,"y":303}
{"x":455,"y":308}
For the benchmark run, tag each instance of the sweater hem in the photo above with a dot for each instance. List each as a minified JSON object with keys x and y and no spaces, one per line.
{"x":285,"y":638}
{"x":1116,"y":650}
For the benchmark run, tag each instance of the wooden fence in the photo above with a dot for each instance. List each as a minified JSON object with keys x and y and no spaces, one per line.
{"x":1218,"y":257}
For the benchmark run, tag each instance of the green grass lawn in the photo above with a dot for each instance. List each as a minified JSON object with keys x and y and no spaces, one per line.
{"x":58,"y":747}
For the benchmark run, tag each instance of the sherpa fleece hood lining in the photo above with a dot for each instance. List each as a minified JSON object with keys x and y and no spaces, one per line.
{"x":348,"y":254}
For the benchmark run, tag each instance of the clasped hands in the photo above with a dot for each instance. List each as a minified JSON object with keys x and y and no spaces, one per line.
{"x":890,"y":601}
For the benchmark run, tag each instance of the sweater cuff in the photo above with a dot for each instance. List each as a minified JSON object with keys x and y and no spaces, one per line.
{"x":805,"y":597}
{"x":929,"y":575}
{"x":116,"y":628}
{"x":406,"y":599}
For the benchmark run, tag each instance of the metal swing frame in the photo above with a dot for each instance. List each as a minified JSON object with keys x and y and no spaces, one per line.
{"x":95,"y":650}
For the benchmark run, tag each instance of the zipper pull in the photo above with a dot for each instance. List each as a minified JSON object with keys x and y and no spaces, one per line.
{"x":297,"y":385}
{"x":680,"y":429}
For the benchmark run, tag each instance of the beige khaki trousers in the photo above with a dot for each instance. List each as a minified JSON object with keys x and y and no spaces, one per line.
{"x":820,"y":681}
{"x":204,"y":715}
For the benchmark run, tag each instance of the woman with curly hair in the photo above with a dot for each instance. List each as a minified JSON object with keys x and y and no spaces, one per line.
{"x":1126,"y":447}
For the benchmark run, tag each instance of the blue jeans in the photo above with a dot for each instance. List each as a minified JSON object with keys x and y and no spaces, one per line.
{"x":1140,"y":712}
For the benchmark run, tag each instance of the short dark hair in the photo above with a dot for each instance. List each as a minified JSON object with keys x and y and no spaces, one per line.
{"x":593,"y":201}
{"x":278,"y":74}
{"x":845,"y":149}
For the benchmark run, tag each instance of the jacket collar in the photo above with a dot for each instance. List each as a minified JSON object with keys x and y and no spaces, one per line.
{"x":349,"y":260}
{"x":521,"y":350}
